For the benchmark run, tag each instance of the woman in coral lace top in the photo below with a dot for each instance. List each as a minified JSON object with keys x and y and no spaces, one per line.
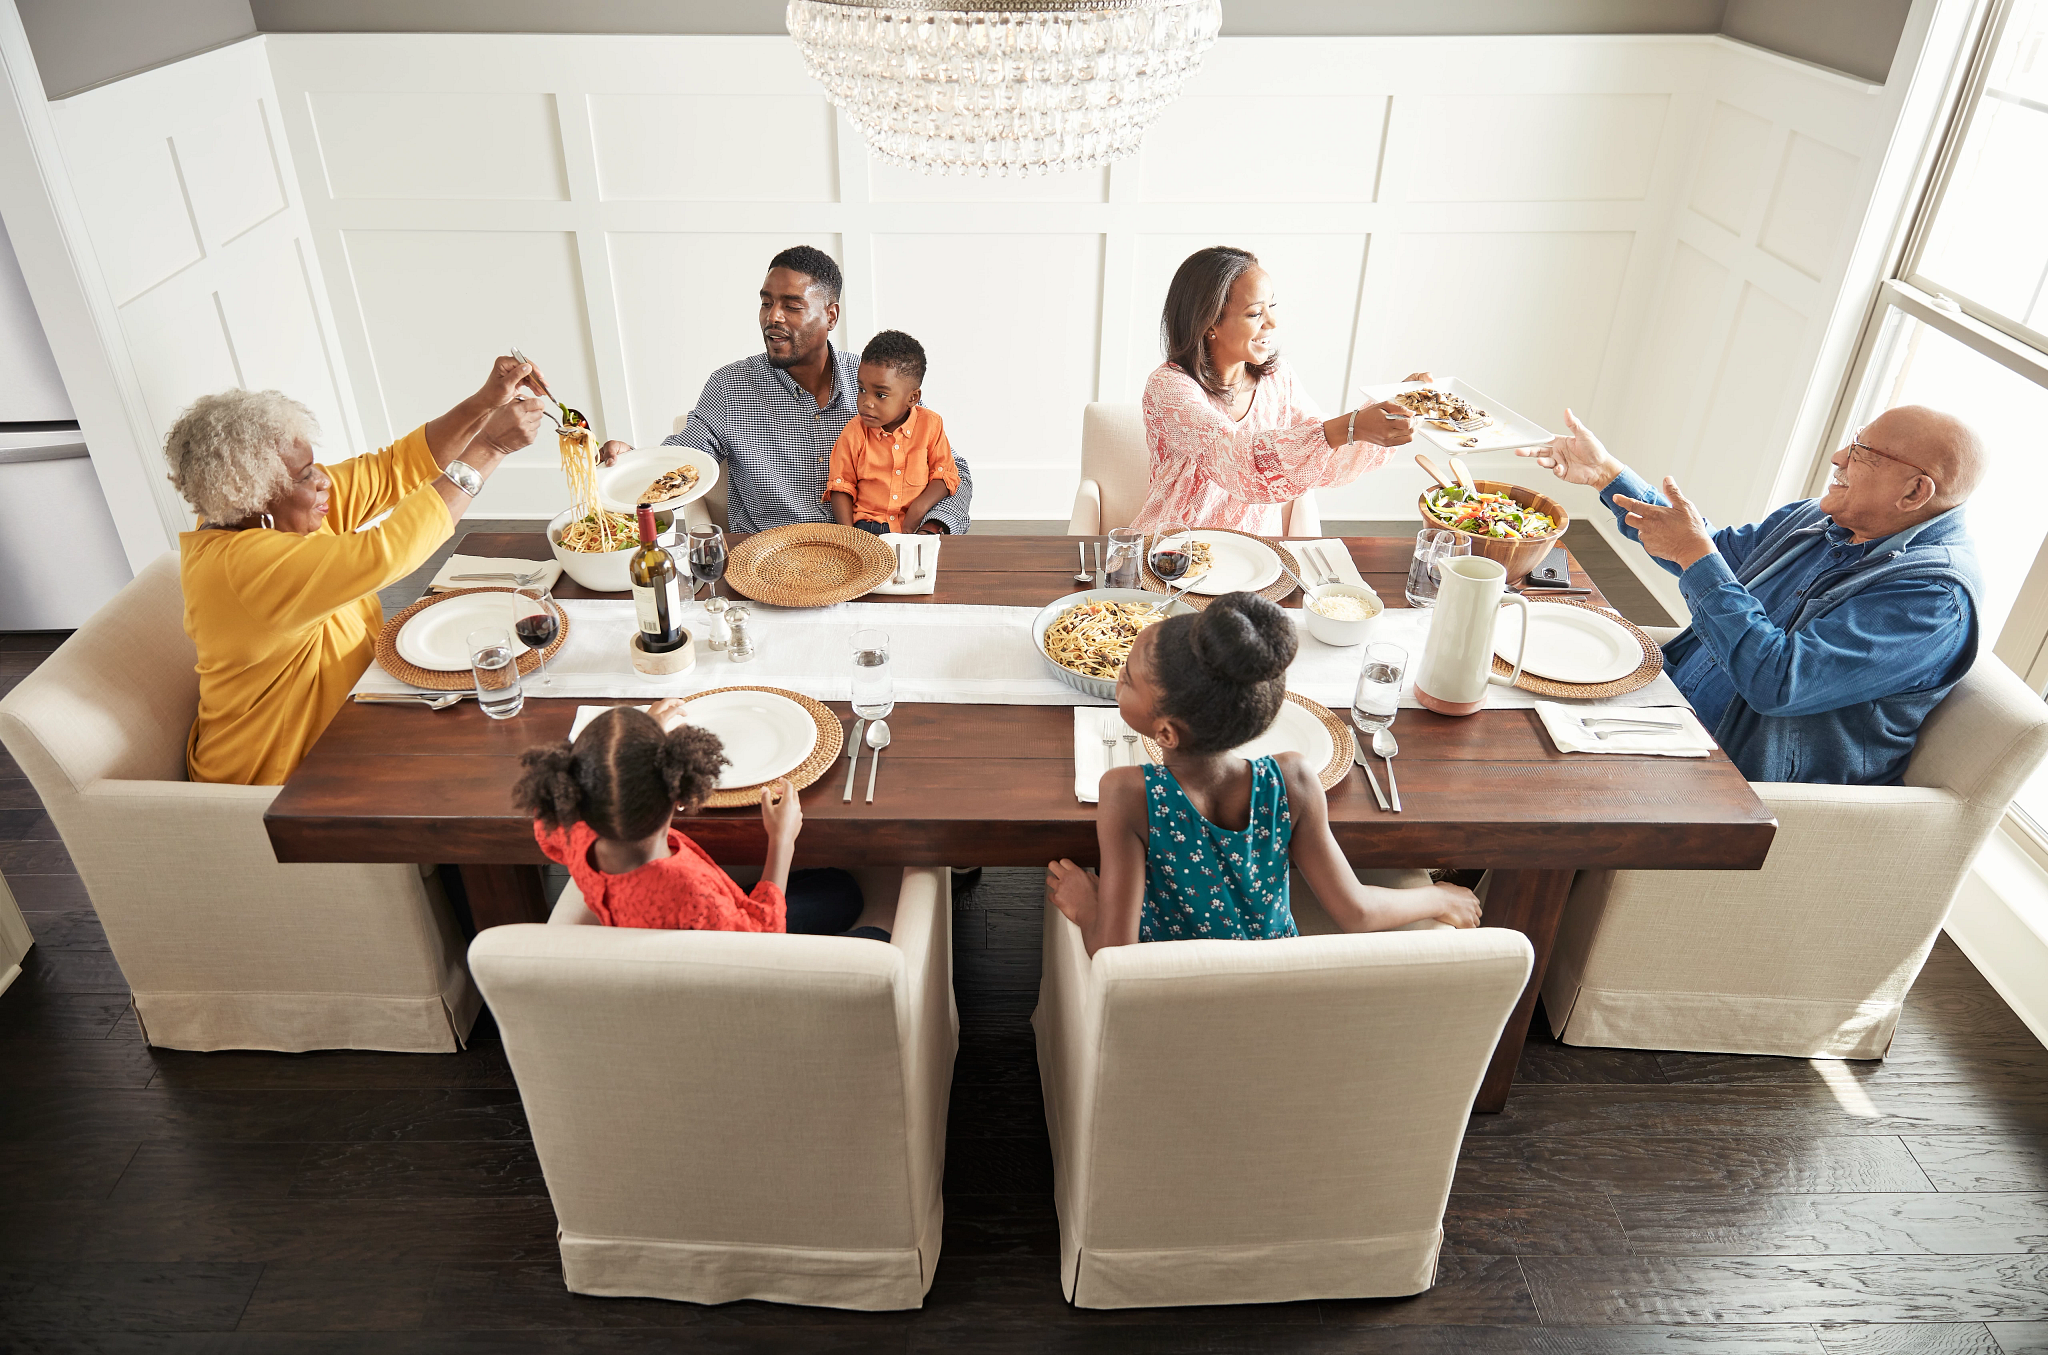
{"x":602,"y":807}
{"x":1233,"y":436}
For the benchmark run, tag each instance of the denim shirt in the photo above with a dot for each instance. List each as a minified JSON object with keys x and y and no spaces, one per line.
{"x":1793,"y":622}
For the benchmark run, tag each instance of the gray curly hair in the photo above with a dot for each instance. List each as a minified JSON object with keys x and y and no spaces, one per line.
{"x":224,"y":450}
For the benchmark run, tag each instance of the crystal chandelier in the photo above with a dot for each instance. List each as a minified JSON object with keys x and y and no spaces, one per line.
{"x":1010,"y":86}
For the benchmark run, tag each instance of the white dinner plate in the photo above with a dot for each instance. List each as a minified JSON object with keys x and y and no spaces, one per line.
{"x":765,"y":735}
{"x":1568,"y":644}
{"x":1236,"y":564}
{"x":437,"y":637}
{"x":620,"y":483}
{"x":1295,"y":729}
{"x":1507,"y":431}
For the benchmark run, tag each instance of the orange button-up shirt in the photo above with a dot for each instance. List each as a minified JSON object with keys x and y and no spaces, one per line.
{"x":885,"y":471}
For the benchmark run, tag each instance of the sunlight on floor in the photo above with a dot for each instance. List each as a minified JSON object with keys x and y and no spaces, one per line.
{"x":1849,"y":1093}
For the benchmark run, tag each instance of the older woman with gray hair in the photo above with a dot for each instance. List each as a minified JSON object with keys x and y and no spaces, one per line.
{"x":281,"y":575}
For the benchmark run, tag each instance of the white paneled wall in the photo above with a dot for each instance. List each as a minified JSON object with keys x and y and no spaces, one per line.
{"x":1648,"y":230}
{"x":186,"y":187}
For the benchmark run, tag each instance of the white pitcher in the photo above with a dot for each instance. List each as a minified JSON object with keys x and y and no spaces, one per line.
{"x":1457,"y":661}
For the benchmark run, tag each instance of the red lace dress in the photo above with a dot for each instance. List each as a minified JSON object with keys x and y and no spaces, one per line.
{"x":684,"y":891}
{"x":1210,"y":472}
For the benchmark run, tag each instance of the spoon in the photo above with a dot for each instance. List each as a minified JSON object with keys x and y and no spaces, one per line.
{"x":573,"y":418}
{"x":1435,"y":472}
{"x":1084,"y":576}
{"x":878,"y":739}
{"x":1383,"y":744}
{"x":412,"y":699}
{"x":1464,"y":474}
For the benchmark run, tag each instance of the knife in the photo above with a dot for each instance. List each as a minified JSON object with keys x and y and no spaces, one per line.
{"x":1358,"y":756}
{"x":852,"y":759}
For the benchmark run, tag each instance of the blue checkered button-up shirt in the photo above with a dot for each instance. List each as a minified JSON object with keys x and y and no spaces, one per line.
{"x":775,"y":442}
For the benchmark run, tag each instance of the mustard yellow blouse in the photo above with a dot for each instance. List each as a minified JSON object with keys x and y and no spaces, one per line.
{"x":285,"y":624}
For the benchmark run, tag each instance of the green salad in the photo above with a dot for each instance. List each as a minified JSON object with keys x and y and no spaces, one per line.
{"x":1485,"y":514}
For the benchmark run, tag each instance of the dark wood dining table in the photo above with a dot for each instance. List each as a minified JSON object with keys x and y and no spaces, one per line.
{"x":971,"y":785}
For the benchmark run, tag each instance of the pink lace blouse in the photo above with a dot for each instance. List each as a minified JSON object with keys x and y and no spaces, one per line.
{"x":1210,"y":472}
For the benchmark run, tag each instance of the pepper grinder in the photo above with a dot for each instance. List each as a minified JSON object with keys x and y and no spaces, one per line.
{"x":721,"y":630}
{"x":740,"y":646}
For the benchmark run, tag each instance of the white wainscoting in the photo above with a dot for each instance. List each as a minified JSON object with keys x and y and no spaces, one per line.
{"x":1645,"y":229}
{"x":186,"y":187}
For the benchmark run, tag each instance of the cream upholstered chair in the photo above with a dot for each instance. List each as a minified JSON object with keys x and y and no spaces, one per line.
{"x":728,"y":1115}
{"x":222,"y":947}
{"x":1812,"y":956}
{"x":1262,"y":1121}
{"x":15,"y":937}
{"x":1114,"y":476}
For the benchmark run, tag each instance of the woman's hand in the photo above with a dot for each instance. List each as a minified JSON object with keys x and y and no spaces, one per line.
{"x":671,"y":713}
{"x":1385,"y":423}
{"x":781,"y":815}
{"x":1576,"y":457}
{"x":1460,"y":905}
{"x":507,"y":376}
{"x":1424,"y":377}
{"x":612,"y":450}
{"x":512,"y":427}
{"x":1071,"y":889}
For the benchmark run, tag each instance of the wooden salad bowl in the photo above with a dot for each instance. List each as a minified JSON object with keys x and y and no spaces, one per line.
{"x":1518,"y":557}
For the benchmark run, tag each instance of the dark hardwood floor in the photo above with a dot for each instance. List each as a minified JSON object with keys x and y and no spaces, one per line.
{"x":1626,"y":1202}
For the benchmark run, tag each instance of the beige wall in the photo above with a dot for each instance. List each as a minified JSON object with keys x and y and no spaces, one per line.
{"x":80,"y":43}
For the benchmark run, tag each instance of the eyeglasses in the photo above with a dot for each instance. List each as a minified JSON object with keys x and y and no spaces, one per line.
{"x":1857,"y":444}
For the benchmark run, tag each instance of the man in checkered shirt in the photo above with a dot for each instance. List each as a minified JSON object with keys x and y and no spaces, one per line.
{"x":771,"y":419}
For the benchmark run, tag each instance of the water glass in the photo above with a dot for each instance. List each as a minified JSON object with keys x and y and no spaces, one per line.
{"x":1120,"y":562}
{"x":874,"y":693}
{"x":1433,"y":545}
{"x":494,"y":662}
{"x":1380,"y":679}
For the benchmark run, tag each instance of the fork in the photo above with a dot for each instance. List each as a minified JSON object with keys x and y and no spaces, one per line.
{"x":1131,"y":745}
{"x":918,"y":546}
{"x":899,"y":580}
{"x":1329,"y":575}
{"x":1108,"y":751}
{"x":522,"y":580}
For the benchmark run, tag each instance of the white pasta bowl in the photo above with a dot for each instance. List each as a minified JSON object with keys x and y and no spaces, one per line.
{"x":604,"y":572}
{"x":1335,"y":631}
{"x":1101,"y":688}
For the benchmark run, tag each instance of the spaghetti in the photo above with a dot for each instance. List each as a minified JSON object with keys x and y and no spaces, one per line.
{"x":593,"y":530}
{"x":1094,"y":638}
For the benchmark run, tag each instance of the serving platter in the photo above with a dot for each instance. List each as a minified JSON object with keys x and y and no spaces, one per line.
{"x":619,"y":484}
{"x":1103,"y":689}
{"x":1568,"y":644}
{"x":1302,"y":726}
{"x":1508,"y":430}
{"x":809,"y":564}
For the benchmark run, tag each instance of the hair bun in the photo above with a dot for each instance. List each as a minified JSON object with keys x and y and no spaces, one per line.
{"x":1245,"y":637}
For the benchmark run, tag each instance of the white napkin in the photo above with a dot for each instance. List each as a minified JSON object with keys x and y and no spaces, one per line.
{"x":1091,"y":723}
{"x":912,"y":543}
{"x":1336,"y":552}
{"x":585,"y":714}
{"x":1688,"y":738}
{"x":551,"y":572}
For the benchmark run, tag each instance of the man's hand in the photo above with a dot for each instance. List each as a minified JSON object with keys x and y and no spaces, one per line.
{"x":612,"y":451}
{"x":1575,"y":457}
{"x":1071,"y":890}
{"x":513,"y":427}
{"x":1674,"y":532}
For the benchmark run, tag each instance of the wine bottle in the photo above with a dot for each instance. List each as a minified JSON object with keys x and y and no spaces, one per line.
{"x":657,"y":598}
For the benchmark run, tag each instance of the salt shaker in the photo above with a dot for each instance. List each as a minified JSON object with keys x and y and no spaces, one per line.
{"x":721,"y":630}
{"x":740,"y":646}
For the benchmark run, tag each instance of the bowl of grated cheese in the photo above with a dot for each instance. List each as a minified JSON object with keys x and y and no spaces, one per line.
{"x":1342,"y":614}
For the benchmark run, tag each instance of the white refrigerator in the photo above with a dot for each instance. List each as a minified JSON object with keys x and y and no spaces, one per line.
{"x":60,"y":557}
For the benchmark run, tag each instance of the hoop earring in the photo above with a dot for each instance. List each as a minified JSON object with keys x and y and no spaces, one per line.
{"x":269,"y":522}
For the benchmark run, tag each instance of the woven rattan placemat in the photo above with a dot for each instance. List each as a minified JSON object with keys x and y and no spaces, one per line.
{"x":830,"y":739}
{"x":1340,"y":739}
{"x":1272,"y":592}
{"x":809,"y":564}
{"x":460,"y":680}
{"x":1644,"y":675}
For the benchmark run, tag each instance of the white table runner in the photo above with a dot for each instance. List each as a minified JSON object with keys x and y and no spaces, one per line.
{"x":940,"y":653}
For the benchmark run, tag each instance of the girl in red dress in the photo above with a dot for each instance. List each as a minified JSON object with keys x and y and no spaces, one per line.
{"x":602,"y":807}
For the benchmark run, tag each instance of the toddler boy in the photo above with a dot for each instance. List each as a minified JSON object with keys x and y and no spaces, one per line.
{"x":892,"y":463}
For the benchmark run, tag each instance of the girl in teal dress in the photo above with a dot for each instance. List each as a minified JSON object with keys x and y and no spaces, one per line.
{"x":1199,"y":848}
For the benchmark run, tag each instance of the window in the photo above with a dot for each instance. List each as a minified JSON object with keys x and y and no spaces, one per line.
{"x":1963,"y":326}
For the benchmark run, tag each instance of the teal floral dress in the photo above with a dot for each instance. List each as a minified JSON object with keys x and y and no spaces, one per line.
{"x":1208,"y":883}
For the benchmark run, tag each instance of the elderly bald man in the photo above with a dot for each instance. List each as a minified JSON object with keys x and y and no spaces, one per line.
{"x":1823,"y":635}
